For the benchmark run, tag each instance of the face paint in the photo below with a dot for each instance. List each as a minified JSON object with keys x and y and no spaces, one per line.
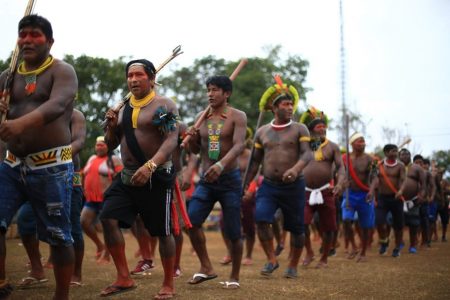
{"x":31,"y":36}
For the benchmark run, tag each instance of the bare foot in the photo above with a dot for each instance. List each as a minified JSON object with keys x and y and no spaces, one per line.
{"x":321,"y":265}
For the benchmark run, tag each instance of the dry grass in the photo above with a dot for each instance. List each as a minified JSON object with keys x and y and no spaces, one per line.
{"x":422,"y":276}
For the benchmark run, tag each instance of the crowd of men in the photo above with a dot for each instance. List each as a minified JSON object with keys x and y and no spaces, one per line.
{"x":294,"y":171}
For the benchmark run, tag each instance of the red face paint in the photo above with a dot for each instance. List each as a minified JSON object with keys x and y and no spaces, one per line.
{"x":31,"y":36}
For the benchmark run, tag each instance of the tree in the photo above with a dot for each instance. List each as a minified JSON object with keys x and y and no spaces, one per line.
{"x":187,"y":85}
{"x":101,"y":83}
{"x":442,"y":159}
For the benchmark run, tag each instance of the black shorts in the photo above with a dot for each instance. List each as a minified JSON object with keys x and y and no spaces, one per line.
{"x":388,"y":203}
{"x":123,"y":202}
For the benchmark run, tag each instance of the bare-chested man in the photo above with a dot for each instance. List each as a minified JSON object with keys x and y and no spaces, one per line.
{"x":320,"y":196}
{"x":431,"y":190}
{"x":414,"y":194}
{"x":220,"y":141}
{"x":389,"y":182}
{"x":147,"y":132}
{"x":38,"y":166}
{"x":283,"y":149}
{"x":359,"y":200}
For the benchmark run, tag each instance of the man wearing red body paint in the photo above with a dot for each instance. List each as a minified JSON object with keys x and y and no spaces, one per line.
{"x":38,"y":164}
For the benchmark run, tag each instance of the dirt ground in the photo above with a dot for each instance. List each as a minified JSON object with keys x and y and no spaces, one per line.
{"x":425,"y":275}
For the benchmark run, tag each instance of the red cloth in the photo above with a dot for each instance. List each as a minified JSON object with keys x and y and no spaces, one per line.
{"x":93,"y":189}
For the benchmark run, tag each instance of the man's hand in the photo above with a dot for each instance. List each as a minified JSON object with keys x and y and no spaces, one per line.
{"x":369,"y":196}
{"x":10,"y":129}
{"x":289,"y":176}
{"x":112,"y":118}
{"x":185,"y":183}
{"x":142,"y":176}
{"x":338,"y":189}
{"x":213,"y":173}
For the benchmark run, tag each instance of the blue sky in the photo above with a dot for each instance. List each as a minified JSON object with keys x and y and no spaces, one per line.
{"x":397,"y":61}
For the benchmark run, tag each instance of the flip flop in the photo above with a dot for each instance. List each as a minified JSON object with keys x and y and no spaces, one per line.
{"x":230,"y":285}
{"x":116,"y":289}
{"x":164,"y":296}
{"x":76,"y":284}
{"x":200,"y":277}
{"x":30,"y":281}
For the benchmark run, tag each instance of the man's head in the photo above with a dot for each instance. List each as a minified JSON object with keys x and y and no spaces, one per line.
{"x":140,"y":77}
{"x":418,"y":159}
{"x":405,"y":156}
{"x":390,"y":151}
{"x":426,"y":163}
{"x":316,"y":121}
{"x":357,"y":142}
{"x":283,"y":107}
{"x":101,"y":149}
{"x":35,"y":37}
{"x":219,"y":88}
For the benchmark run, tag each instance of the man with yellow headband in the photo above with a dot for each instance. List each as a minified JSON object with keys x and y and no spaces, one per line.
{"x":360,"y":167}
{"x":283,"y":149}
{"x":147,"y":132}
{"x":320,"y":195}
{"x":38,"y":165}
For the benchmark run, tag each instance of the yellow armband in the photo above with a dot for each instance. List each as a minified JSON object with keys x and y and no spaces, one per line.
{"x":305,"y":139}
{"x":258,"y":146}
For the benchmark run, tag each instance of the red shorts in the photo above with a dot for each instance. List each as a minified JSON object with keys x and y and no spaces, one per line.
{"x":327,"y":211}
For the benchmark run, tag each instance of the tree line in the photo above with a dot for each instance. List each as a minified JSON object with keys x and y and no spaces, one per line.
{"x":102,"y":83}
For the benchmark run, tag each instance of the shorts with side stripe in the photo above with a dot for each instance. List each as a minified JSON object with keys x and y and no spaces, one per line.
{"x":123,"y":203}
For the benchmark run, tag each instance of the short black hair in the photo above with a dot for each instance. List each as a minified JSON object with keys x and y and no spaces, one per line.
{"x":283,"y":96}
{"x":417,"y":157}
{"x":222,"y":81}
{"x":389,"y":147}
{"x":37,"y":22}
{"x":148,"y":66}
{"x":404,"y":150}
{"x":426,"y":161}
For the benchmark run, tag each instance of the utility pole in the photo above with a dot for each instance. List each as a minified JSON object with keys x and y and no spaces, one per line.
{"x":344,"y":121}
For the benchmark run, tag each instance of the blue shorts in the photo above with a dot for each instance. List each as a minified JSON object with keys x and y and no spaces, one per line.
{"x":49,"y":191}
{"x":94,"y":206}
{"x":26,"y":220}
{"x":290,"y":198}
{"x":357,"y":203}
{"x":227,"y":190}
{"x":432,"y":211}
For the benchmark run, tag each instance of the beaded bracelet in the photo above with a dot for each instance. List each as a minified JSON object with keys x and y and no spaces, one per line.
{"x":151,"y":165}
{"x":219,"y":164}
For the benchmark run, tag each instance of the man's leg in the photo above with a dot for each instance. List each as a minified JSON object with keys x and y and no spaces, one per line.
{"x":236,"y":257}
{"x":167,"y":253}
{"x":116,"y":246}
{"x":178,"y":249}
{"x":88,"y":217}
{"x":327,"y":241}
{"x":63,"y":265}
{"x":297,"y":243}
{"x":350,"y":237}
{"x":5,"y":287}
{"x":31,"y":245}
{"x":309,"y":251}
{"x":198,"y":241}
{"x":265,"y":235}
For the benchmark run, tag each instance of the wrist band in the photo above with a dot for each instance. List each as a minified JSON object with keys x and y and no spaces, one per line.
{"x":150,"y":164}
{"x":219,"y":164}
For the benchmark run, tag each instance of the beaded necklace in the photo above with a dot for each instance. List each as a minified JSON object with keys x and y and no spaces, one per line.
{"x":280,"y":127}
{"x":214,"y":130}
{"x":31,"y":76}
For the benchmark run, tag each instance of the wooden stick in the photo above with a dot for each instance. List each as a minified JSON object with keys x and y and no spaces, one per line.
{"x":5,"y":95}
{"x":175,"y":52}
{"x":202,"y":117}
